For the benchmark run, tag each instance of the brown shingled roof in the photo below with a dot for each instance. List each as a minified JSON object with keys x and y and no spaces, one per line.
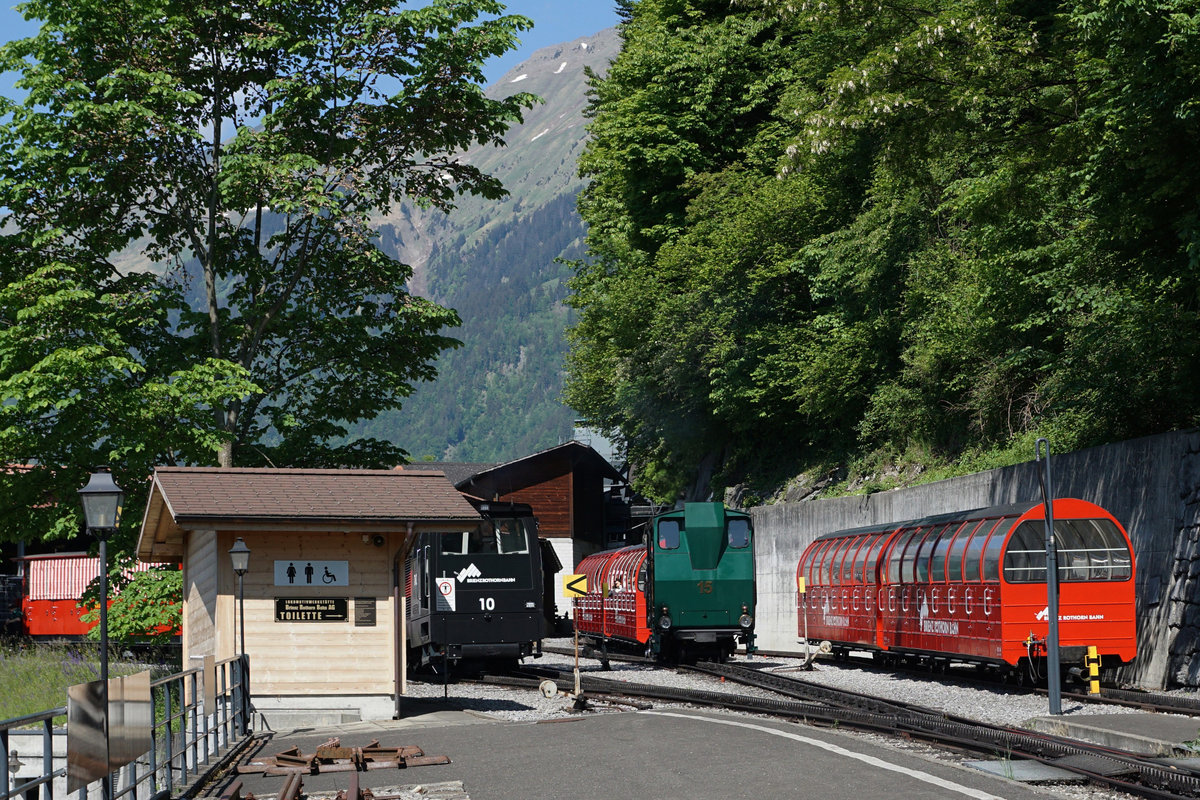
{"x":191,"y":497}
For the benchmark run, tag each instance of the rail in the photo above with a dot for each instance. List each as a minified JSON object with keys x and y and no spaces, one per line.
{"x":186,"y":739}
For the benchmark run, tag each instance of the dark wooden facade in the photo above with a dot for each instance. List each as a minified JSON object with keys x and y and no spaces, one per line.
{"x":566,"y":487}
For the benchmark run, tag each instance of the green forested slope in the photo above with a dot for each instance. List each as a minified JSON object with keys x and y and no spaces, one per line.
{"x":497,"y":397}
{"x":848,"y":236}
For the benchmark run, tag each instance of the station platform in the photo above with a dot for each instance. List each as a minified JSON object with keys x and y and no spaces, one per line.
{"x":1156,"y":735}
{"x":668,"y":753}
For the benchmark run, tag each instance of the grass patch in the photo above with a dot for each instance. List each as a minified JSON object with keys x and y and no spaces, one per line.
{"x":35,"y":677}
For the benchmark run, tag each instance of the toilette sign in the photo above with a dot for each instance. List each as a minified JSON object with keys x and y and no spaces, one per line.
{"x":301,"y":572}
{"x":311,"y":609}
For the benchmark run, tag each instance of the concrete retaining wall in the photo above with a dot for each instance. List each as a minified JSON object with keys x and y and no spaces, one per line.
{"x":1151,"y":485}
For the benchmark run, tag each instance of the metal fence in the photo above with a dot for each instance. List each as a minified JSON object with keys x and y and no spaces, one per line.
{"x":187,"y":740}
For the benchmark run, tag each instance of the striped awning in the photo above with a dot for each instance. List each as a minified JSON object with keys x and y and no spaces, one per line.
{"x":66,"y":576}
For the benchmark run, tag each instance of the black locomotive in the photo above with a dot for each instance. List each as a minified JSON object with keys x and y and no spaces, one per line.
{"x":479,"y":594}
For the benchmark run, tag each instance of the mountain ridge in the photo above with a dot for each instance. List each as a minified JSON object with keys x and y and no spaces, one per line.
{"x":498,"y":263}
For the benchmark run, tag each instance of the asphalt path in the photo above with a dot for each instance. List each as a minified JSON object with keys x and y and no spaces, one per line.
{"x":663,"y":753}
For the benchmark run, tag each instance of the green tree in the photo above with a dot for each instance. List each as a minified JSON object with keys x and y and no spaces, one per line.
{"x":927,"y":231}
{"x":145,"y":605}
{"x":91,"y":373}
{"x":690,"y":94}
{"x":219,"y":163}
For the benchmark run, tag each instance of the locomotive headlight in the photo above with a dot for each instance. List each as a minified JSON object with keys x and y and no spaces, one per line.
{"x":745,"y":620}
{"x":664,"y":621}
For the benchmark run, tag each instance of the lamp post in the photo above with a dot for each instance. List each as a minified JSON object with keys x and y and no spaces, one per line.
{"x":101,"y":500}
{"x":239,"y":555}
{"x":14,"y":764}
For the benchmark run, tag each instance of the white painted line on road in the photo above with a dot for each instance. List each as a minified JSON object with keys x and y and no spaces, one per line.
{"x":833,"y":748}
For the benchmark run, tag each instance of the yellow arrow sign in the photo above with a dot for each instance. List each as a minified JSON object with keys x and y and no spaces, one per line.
{"x":574,"y":585}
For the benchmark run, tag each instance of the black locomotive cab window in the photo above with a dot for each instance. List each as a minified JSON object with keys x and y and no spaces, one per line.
{"x":455,"y":543}
{"x":1088,"y":550}
{"x":502,"y":536}
{"x":668,"y":534}
{"x":739,"y":533}
{"x":511,"y":536}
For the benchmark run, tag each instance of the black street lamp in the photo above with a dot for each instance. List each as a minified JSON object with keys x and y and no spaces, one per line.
{"x":14,"y":765}
{"x":239,"y":554}
{"x":101,"y":500}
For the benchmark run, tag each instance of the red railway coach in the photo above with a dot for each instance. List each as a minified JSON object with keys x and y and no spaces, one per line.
{"x":53,"y":586}
{"x":971,"y":587}
{"x":615,"y":605}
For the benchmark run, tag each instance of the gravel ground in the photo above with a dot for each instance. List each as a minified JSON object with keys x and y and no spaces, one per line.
{"x":997,"y":705}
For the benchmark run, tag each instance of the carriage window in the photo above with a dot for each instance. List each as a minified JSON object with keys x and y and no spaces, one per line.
{"x":937,"y":562}
{"x":835,"y":561}
{"x":739,"y":533}
{"x":806,"y":564}
{"x":925,"y":552}
{"x":860,"y":558}
{"x":954,"y":563}
{"x":1025,"y":558}
{"x":820,"y":573}
{"x":973,"y":558}
{"x":813,"y":556}
{"x":1088,"y":550}
{"x":668,"y":534}
{"x":870,"y":571}
{"x":1072,"y":551}
{"x":908,"y":564}
{"x":995,"y":545}
{"x":829,"y":564}
{"x":899,"y":565}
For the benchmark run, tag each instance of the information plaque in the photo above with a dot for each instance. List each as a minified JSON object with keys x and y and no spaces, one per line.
{"x":364,"y":612}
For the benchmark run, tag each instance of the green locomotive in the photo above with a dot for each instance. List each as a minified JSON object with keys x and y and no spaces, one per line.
{"x":686,"y":593}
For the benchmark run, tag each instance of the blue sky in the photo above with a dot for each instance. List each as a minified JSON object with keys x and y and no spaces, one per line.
{"x":554,"y":21}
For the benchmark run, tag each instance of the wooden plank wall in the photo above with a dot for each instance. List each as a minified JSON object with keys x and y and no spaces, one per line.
{"x":200,"y":594}
{"x":310,"y":658}
{"x":552,"y":503}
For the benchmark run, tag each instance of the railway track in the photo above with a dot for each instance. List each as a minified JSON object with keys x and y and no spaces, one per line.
{"x":624,"y":658}
{"x":1107,"y":767}
{"x":1109,"y":695}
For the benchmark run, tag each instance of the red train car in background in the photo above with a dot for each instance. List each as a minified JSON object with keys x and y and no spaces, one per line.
{"x":971,"y":587}
{"x":51,"y":589}
{"x":615,"y":606}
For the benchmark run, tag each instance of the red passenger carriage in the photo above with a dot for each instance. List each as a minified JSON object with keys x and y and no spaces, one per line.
{"x":972,"y":587}
{"x":616,"y":607}
{"x":53,"y":587}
